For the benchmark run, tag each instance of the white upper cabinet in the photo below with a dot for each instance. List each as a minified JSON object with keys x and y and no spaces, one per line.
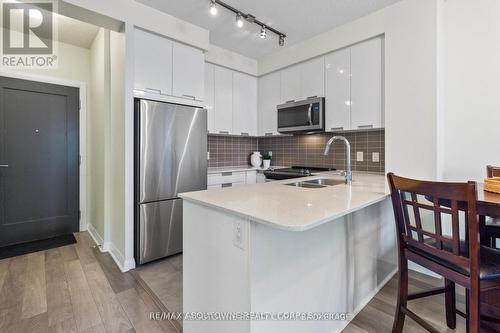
{"x":312,"y":78}
{"x":223,"y":100}
{"x":291,"y":85}
{"x":153,"y":63}
{"x":269,"y":99}
{"x":188,"y":69}
{"x":338,"y":90}
{"x":244,"y":104}
{"x":366,"y":85}
{"x":209,"y":96}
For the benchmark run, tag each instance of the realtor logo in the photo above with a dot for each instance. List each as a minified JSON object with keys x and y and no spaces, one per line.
{"x":28,"y":34}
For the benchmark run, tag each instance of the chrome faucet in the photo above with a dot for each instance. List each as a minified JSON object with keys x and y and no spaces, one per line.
{"x":348,"y":171}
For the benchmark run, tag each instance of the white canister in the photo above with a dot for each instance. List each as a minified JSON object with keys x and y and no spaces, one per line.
{"x":256,"y":159}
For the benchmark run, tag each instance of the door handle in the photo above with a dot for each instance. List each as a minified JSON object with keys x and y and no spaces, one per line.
{"x":156,"y":91}
{"x":309,"y":114}
{"x":189,"y":96}
{"x":4,"y":165}
{"x":365,"y":126}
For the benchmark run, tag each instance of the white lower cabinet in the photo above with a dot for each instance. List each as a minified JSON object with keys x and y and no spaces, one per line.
{"x":231,"y":179}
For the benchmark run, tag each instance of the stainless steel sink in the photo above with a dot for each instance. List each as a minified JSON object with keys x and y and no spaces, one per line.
{"x":325,"y":181}
{"x":305,"y":185}
{"x":317,"y":183}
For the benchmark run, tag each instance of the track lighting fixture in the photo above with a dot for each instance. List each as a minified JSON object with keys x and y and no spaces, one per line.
{"x":213,"y":7}
{"x":240,"y":16}
{"x":263,"y":33}
{"x":239,"y":20}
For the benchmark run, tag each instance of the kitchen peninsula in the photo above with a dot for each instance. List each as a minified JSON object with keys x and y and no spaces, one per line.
{"x":274,"y":248}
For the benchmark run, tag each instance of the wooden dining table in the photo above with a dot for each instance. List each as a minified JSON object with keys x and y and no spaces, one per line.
{"x":488,"y":204}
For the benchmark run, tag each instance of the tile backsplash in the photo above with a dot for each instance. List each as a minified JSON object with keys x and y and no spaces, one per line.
{"x":304,"y":150}
{"x":230,"y":150}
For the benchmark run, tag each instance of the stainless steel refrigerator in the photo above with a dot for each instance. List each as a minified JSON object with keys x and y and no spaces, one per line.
{"x":170,"y":158}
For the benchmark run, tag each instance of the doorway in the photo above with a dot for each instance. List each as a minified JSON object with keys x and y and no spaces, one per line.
{"x":39,"y":158}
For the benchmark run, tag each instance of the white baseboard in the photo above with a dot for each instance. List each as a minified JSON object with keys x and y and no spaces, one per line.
{"x":119,"y":258}
{"x":124,"y":265}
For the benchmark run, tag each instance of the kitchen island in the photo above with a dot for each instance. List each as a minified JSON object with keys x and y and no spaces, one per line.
{"x":274,"y":250}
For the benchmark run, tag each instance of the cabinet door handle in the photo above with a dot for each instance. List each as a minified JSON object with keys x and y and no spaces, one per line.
{"x":315,"y":96}
{"x":189,"y":96}
{"x":223,"y":132}
{"x":227,"y":185}
{"x":365,"y":126}
{"x":290,"y":101}
{"x":244,"y":134}
{"x":158,"y":91}
{"x":4,"y":165}
{"x":268,"y":134}
{"x":337,"y":129}
{"x":225,"y":174}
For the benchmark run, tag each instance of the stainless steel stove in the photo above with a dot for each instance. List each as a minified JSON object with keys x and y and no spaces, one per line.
{"x":293,"y":172}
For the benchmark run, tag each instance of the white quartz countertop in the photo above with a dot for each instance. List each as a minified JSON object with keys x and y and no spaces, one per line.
{"x":295,"y":208}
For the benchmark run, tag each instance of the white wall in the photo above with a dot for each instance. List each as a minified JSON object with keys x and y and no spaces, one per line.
{"x":411,"y":88}
{"x":117,"y":144}
{"x":219,"y":56}
{"x":97,"y":123}
{"x":470,"y":79}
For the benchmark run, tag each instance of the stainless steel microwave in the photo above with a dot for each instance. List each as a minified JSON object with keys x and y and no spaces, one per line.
{"x":302,"y":116}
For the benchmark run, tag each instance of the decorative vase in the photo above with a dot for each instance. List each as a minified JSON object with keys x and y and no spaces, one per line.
{"x":267,"y":164}
{"x":256,"y":159}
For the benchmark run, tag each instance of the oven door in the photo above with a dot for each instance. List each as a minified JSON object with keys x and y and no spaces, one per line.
{"x":302,"y":116}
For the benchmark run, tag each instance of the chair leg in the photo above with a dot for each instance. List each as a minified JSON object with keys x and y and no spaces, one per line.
{"x":399,"y":317}
{"x":467,"y":311}
{"x":474,"y":310}
{"x":451,"y":315}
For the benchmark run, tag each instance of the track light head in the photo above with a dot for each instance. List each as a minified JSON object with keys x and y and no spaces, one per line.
{"x":282,"y":40}
{"x":239,"y":20}
{"x":213,"y":7}
{"x":263,"y":32}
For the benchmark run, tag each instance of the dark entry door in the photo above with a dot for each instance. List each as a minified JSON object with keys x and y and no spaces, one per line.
{"x":39,"y":160}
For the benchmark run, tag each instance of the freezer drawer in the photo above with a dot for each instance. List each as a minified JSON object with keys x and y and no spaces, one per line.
{"x":160,"y":229}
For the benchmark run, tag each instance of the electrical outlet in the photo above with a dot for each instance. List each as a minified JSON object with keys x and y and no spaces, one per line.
{"x":359,"y":156}
{"x":270,"y":153}
{"x":239,"y":234}
{"x":375,"y":157}
{"x":208,"y":156}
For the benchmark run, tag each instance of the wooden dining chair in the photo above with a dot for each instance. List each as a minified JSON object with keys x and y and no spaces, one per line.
{"x":424,"y":211}
{"x":492,"y":230}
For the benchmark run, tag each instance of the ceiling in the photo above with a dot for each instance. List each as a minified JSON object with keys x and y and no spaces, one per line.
{"x":298,"y":19}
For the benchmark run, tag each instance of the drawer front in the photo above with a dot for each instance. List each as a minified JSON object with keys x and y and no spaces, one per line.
{"x":226,"y":177}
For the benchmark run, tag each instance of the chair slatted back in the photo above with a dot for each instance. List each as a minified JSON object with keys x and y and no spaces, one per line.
{"x":439,"y":202}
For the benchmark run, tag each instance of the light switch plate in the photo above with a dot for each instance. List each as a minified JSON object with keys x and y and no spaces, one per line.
{"x":359,"y":156}
{"x":208,"y":156}
{"x":271,"y":153}
{"x":375,"y":157}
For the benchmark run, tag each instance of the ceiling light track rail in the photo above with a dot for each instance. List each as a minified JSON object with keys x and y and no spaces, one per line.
{"x":249,"y":18}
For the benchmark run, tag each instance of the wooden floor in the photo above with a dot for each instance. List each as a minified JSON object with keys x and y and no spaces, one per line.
{"x":74,"y":288}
